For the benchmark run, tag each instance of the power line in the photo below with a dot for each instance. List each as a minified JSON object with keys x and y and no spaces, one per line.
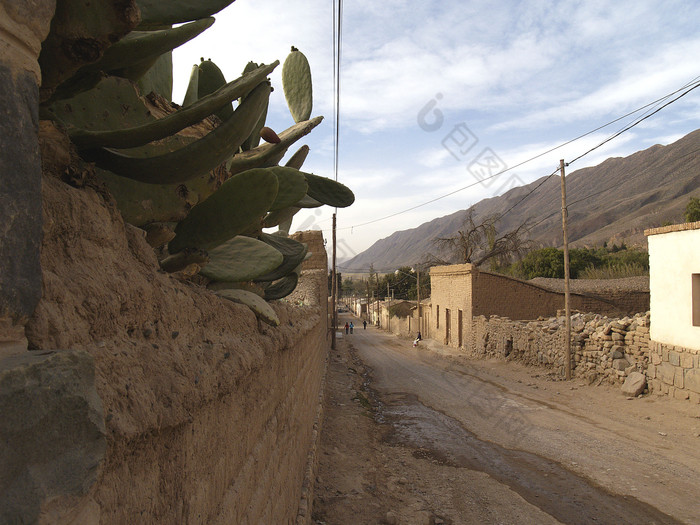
{"x":635,"y":123}
{"x":693,"y":84}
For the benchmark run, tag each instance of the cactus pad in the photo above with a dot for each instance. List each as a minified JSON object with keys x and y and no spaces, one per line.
{"x":161,"y":13}
{"x":329,"y":191}
{"x":296,"y":82}
{"x":241,"y":259}
{"x":228,"y":212}
{"x":292,"y":187}
{"x":293,"y":252}
{"x":197,"y":158}
{"x":260,"y":308}
{"x":211,"y":79}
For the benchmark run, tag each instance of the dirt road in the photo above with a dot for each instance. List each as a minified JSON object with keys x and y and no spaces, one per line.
{"x":415,"y":436}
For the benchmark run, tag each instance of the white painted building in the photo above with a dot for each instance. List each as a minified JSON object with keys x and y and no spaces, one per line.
{"x":674,"y":284}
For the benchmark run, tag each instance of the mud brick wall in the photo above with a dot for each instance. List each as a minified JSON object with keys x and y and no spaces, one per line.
{"x":193,"y":411}
{"x":602,"y":348}
{"x":479,"y":293}
{"x":507,"y":297}
{"x":674,"y":371}
{"x":451,"y":288}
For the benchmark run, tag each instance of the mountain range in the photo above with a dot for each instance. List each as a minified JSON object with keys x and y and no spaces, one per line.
{"x":612,"y":202}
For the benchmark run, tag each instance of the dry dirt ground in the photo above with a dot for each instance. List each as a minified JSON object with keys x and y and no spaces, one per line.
{"x":394,"y":454}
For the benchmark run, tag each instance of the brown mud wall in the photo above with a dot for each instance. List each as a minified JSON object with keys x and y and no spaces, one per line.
{"x":202,"y":414}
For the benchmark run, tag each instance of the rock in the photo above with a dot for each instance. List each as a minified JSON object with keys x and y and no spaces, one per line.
{"x":591,"y":377}
{"x":634,"y":385}
{"x":620,"y":364}
{"x":390,"y":518}
{"x":616,"y":354}
{"x":52,"y":431}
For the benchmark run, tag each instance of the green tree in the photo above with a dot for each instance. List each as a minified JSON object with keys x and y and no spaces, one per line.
{"x":692,"y":210}
{"x":545,"y":262}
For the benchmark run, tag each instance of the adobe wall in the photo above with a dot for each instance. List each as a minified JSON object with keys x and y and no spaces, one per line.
{"x":451,"y":288}
{"x":507,"y":297}
{"x":175,"y":406}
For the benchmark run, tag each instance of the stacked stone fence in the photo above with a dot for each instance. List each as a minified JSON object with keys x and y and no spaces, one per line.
{"x":674,"y":371}
{"x":603,"y":349}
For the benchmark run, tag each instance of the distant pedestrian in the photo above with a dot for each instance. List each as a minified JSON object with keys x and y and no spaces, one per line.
{"x":347,"y":328}
{"x":351,"y":326}
{"x":364,"y":325}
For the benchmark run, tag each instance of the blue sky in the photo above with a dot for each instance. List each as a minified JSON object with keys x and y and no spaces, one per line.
{"x":435,"y":94}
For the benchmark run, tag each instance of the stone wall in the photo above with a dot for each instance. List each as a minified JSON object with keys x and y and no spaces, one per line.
{"x":675,"y":371}
{"x":602,"y":349}
{"x":191,"y":410}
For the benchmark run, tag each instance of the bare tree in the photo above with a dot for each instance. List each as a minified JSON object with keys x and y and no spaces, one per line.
{"x":478,"y":243}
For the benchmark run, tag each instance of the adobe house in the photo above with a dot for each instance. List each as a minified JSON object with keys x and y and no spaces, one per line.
{"x":461,"y":292}
{"x":674,"y":282}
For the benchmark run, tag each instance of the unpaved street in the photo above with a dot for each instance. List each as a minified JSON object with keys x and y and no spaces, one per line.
{"x":417,"y":436}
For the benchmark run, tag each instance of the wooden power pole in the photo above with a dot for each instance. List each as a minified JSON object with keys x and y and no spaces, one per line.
{"x":418,"y":295}
{"x":567,"y":291}
{"x":334,"y":292}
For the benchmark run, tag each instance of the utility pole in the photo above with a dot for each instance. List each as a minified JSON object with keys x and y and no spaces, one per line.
{"x":367,"y":305}
{"x":377,"y":307}
{"x":334,"y":291}
{"x":418,"y":291}
{"x":567,"y":306}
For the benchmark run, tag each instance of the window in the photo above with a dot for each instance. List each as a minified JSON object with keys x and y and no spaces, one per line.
{"x":437,"y":320}
{"x":696,"y":299}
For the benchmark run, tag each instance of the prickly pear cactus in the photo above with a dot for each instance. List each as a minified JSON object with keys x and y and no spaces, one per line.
{"x":205,"y":186}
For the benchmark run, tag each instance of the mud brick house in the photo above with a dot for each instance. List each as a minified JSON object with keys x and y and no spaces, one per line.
{"x":674,"y":281}
{"x":461,"y":292}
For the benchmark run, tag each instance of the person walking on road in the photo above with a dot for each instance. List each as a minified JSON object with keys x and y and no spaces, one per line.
{"x":351,"y":326}
{"x":364,"y":325}
{"x":347,"y":327}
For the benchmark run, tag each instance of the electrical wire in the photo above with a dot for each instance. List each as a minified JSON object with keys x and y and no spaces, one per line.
{"x":688,"y":87}
{"x":635,"y":123}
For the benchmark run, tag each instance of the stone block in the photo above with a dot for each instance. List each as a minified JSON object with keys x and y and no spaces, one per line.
{"x":692,"y":380}
{"x":52,"y":431}
{"x":686,"y":360}
{"x":681,"y":394}
{"x":651,"y":371}
{"x":678,"y":378}
{"x":656,"y":359}
{"x":666,"y":373}
{"x":694,"y":397}
{"x":20,"y":194}
{"x":664,"y":353}
{"x":620,"y":364}
{"x":674,"y":358}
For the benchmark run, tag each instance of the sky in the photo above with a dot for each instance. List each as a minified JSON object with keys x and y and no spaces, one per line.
{"x":438,"y":95}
